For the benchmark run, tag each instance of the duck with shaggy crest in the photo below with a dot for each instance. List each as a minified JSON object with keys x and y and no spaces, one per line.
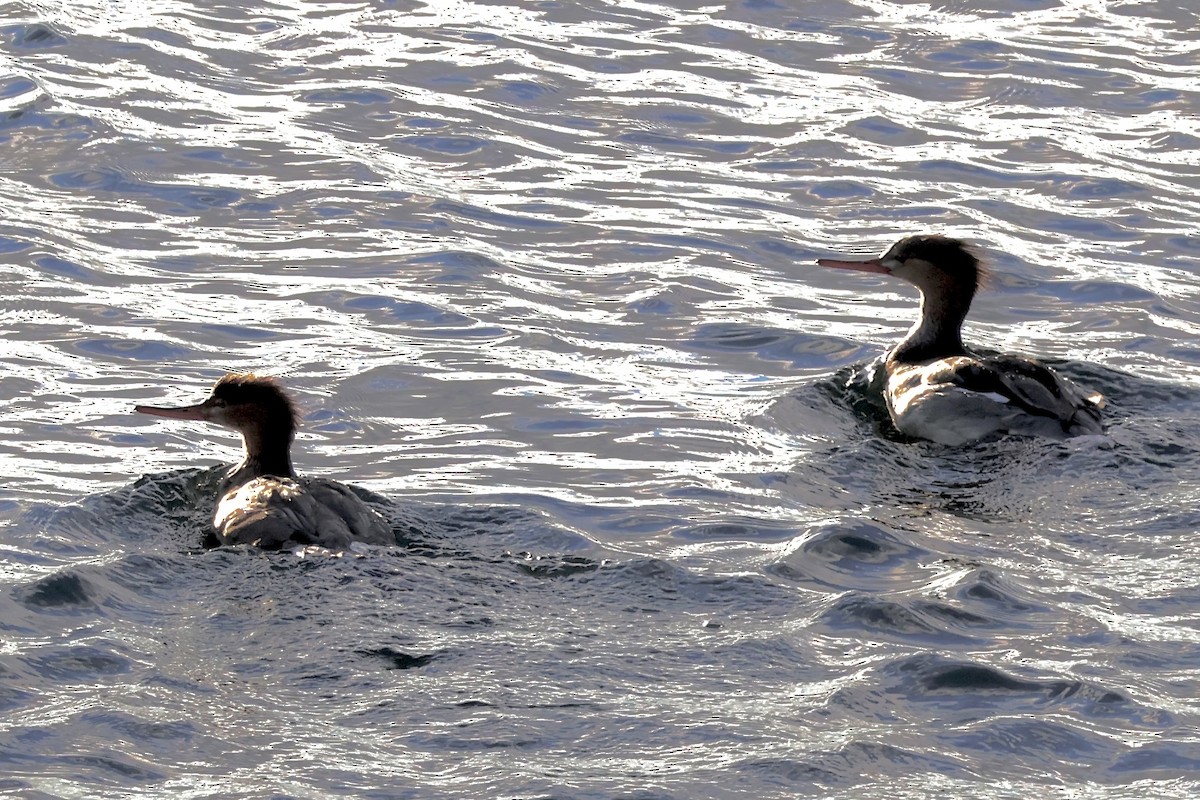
{"x":262,"y":501}
{"x":939,"y":390}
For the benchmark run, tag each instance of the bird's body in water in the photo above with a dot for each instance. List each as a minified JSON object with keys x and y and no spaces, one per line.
{"x":262,"y":501}
{"x":939,"y":390}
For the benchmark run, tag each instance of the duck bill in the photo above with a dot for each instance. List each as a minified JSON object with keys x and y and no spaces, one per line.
{"x":199,"y":411}
{"x":873,"y":265}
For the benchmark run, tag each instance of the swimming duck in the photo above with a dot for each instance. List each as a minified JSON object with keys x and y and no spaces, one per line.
{"x":939,"y":390}
{"x":262,"y":501}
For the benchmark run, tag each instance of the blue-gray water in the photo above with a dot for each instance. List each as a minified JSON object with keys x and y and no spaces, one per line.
{"x":541,"y":274}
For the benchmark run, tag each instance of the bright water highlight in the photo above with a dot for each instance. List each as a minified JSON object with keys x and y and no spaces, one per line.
{"x":542,"y":275}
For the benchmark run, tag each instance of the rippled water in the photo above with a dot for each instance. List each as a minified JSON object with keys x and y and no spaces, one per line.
{"x":541,"y":274}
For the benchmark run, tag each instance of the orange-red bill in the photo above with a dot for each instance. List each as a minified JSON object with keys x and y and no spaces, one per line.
{"x":873,"y":265}
{"x":182,"y":412}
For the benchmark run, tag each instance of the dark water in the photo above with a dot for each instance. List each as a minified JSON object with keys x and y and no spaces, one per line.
{"x":541,"y":275}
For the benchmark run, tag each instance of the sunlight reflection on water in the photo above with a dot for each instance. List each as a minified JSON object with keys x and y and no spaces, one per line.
{"x":541,"y":274}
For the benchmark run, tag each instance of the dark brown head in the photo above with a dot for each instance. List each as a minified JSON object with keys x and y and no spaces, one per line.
{"x":935,"y":264}
{"x":247,"y":403}
{"x":943,"y":257}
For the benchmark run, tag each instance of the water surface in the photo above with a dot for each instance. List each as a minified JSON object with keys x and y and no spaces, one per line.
{"x":541,"y":275}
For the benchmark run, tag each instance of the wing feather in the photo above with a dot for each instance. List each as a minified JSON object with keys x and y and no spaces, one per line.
{"x":1031,"y":386}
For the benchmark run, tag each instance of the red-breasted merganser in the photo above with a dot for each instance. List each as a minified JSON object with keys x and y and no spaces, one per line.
{"x":939,"y":390}
{"x":262,"y":501}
